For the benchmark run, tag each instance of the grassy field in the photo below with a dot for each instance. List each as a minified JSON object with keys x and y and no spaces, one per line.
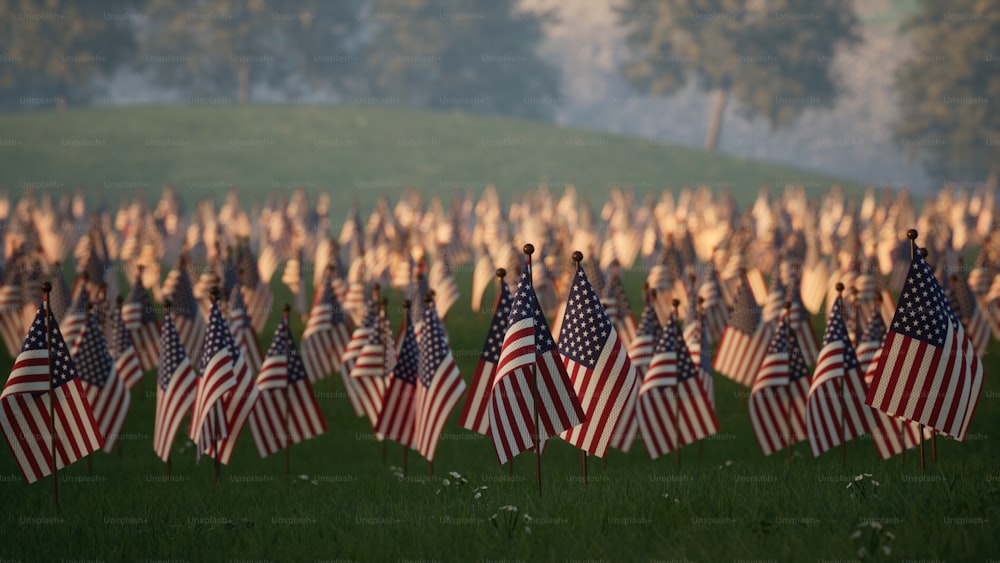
{"x":353,"y":153}
{"x":342,"y":502}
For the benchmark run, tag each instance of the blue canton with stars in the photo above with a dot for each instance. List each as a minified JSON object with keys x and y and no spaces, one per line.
{"x":121,"y":340}
{"x":63,"y":368}
{"x":525,"y":305}
{"x":434,"y":345}
{"x":779,"y":343}
{"x":183,"y":296}
{"x":92,"y":357}
{"x":923,"y":312}
{"x":837,"y":330}
{"x":586,"y":327}
{"x":746,"y":312}
{"x":282,"y":344}
{"x":875,"y":330}
{"x":667,"y":342}
{"x":648,"y":323}
{"x":407,"y":365}
{"x":138,"y":295}
{"x":217,"y":338}
{"x":171,"y":352}
{"x":494,"y":339}
{"x":685,"y":365}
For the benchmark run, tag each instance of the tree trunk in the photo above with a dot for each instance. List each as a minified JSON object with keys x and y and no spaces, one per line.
{"x":715,"y":122}
{"x":243,"y":83}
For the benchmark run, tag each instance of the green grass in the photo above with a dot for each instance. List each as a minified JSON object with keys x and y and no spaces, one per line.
{"x":352,"y":153}
{"x":728,"y":503}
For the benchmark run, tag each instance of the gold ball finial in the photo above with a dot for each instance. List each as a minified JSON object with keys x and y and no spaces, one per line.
{"x":529,"y":249}
{"x":501,"y":273}
{"x":577,"y":256}
{"x":911,"y":234}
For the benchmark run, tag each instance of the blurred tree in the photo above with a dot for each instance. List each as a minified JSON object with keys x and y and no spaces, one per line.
{"x":950,"y":88}
{"x":214,"y":47}
{"x":54,"y":52}
{"x":468,"y":55}
{"x":774,"y":56}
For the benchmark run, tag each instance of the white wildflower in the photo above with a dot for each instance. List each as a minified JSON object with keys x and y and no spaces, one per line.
{"x":890,"y":535}
{"x":856,"y":534}
{"x":445,"y":482}
{"x":455,"y":474}
{"x":304,"y":477}
{"x":886,"y":549}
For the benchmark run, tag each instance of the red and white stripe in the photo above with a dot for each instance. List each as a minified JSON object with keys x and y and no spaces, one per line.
{"x":397,"y":421}
{"x":237,"y":405}
{"x":215,"y":381}
{"x":474,"y":415}
{"x":110,"y":406}
{"x":740,"y":354}
{"x":11,"y":325}
{"x":128,"y":368}
{"x":172,"y":405}
{"x":832,"y":417}
{"x":323,"y":343}
{"x":283,"y":415}
{"x":434,"y":404}
{"x":604,"y":393}
{"x":769,"y":404}
{"x":26,"y":423}
{"x":145,"y":337}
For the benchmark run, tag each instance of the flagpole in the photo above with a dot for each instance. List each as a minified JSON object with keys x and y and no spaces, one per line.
{"x":166,"y":312}
{"x":501,"y":274}
{"x":843,"y":392}
{"x":429,"y":302}
{"x":673,"y":412}
{"x":46,"y":290}
{"x":213,"y":294}
{"x":529,"y":249}
{"x":385,"y":352}
{"x":406,"y":323}
{"x":923,"y":252}
{"x":577,"y":258}
{"x":856,"y":307}
{"x":376,"y":293}
{"x":700,"y":318}
{"x":788,"y":397}
{"x":912,"y":235}
{"x":288,"y":356}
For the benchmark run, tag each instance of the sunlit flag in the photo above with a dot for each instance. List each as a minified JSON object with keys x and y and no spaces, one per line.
{"x":440,"y":385}
{"x":123,"y":351}
{"x":326,"y":335}
{"x":475,"y":415}
{"x":140,"y":321}
{"x":741,"y":349}
{"x":397,"y":418}
{"x":106,"y":391}
{"x":640,"y":352}
{"x":597,"y":364}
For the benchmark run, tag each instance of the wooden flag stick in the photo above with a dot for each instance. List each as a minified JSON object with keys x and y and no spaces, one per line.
{"x":386,"y":340}
{"x":673,"y":412}
{"x":912,"y":235}
{"x":529,"y":249}
{"x":46,"y":291}
{"x":214,"y":296}
{"x":577,"y":258}
{"x":288,"y":406}
{"x":788,"y":402}
{"x":843,"y":393}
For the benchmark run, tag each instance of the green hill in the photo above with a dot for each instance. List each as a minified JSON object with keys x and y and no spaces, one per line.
{"x":354,"y":153}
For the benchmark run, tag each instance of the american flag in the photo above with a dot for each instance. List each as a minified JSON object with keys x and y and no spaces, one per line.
{"x":715,"y":311}
{"x":597,"y":364}
{"x":286,"y":411}
{"x":176,"y":386}
{"x":701,"y":354}
{"x":397,"y":418}
{"x":106,"y":391}
{"x":141,"y":324}
{"x":618,"y":308}
{"x":124,"y":353}
{"x":236,"y":403}
{"x":891,"y":435}
{"x":26,"y":403}
{"x":769,"y":404}
{"x":442,"y":282}
{"x":475,"y":414}
{"x":187,"y":313}
{"x":76,"y":317}
{"x":673,"y":410}
{"x":371,"y":360}
{"x":11,"y":328}
{"x":529,"y":353}
{"x":365,"y":393}
{"x":833,"y":412}
{"x":440,"y":386}
{"x":326,"y":335}
{"x":967,"y":308}
{"x":799,"y":378}
{"x":482,"y":273}
{"x":256,"y":290}
{"x":800,"y":323}
{"x":929,"y":371}
{"x":640,"y":351}
{"x":744,"y":341}
{"x":208,"y":423}
{"x":241,"y":328}
{"x":775,"y":298}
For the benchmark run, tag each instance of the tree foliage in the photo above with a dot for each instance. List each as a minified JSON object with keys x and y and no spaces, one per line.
{"x":59,"y":49}
{"x":478,"y":56}
{"x":949,"y":89}
{"x":773,"y":56}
